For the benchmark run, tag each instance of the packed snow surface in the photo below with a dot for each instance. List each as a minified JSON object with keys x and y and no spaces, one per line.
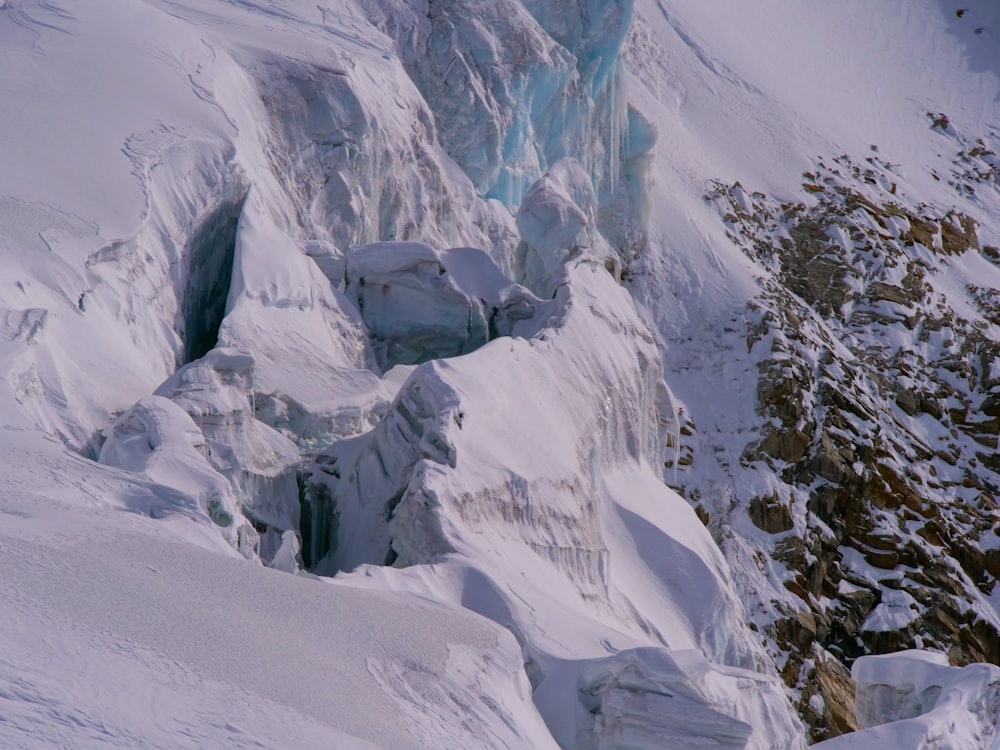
{"x":117,"y":634}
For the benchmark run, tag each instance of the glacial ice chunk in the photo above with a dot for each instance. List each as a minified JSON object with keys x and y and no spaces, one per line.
{"x":421,"y":304}
{"x":288,"y":557}
{"x":652,"y":698}
{"x":158,"y":438}
{"x":899,"y":686}
{"x":915,"y":699}
{"x":217,"y":392}
{"x":557,"y":222}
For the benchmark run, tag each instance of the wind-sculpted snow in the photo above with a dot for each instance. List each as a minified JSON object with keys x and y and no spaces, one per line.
{"x":244,"y":152}
{"x":535,"y":452}
{"x":557,"y":221}
{"x":217,"y":392}
{"x":646,"y":698}
{"x":223,"y":233}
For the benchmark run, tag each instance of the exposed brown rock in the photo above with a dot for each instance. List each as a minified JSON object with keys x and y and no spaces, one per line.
{"x":785,"y":445}
{"x":837,"y":689}
{"x":769,"y":514}
{"x":907,"y":401}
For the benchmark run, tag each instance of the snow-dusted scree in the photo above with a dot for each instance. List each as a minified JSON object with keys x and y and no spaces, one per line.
{"x":520,"y":374}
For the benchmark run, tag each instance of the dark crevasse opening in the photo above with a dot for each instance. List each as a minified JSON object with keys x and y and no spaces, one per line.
{"x":318,"y":520}
{"x":210,"y":254}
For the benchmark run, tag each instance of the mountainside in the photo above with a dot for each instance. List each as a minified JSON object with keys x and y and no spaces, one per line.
{"x":387,"y":373}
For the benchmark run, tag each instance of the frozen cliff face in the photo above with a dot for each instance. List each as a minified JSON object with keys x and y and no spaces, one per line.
{"x":557,"y":221}
{"x":251,"y":210}
{"x":647,"y":698}
{"x":515,"y":87}
{"x":217,"y":394}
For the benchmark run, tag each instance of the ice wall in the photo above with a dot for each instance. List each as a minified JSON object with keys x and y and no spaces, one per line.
{"x":217,"y":392}
{"x":420,"y":304}
{"x":210,"y":254}
{"x":515,"y":87}
{"x":557,"y":221}
{"x":197,"y":435}
{"x":518,"y":477}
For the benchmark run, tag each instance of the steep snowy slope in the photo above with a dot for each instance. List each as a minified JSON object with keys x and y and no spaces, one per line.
{"x":121,"y":631}
{"x":438,"y":299}
{"x":825,"y":284}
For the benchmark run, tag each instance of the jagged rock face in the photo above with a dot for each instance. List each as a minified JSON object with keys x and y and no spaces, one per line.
{"x":877,"y":382}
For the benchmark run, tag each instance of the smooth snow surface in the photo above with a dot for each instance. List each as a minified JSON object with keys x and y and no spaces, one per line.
{"x":416,"y":295}
{"x":117,"y":635}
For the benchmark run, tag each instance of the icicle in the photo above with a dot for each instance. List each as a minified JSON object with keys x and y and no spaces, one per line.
{"x":677,"y":442}
{"x":618,"y":122}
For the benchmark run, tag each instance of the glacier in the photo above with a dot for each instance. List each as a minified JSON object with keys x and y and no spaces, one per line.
{"x":387,"y":373}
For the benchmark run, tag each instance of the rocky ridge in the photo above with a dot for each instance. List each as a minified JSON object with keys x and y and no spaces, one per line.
{"x":878,"y":387}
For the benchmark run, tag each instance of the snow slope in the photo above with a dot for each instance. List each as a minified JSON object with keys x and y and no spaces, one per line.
{"x":119,"y":632}
{"x":786,"y":105}
{"x":428,"y":298}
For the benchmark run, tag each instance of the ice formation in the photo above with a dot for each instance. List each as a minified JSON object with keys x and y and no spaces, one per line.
{"x":546,"y":449}
{"x":419,"y":304}
{"x":217,"y":392}
{"x":557,"y":221}
{"x":914,"y":699}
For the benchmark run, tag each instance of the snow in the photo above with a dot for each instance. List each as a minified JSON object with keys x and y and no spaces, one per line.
{"x":419,"y":304}
{"x":244,"y":240}
{"x":172,"y":645}
{"x":896,"y":610}
{"x":511,"y":461}
{"x":557,"y":220}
